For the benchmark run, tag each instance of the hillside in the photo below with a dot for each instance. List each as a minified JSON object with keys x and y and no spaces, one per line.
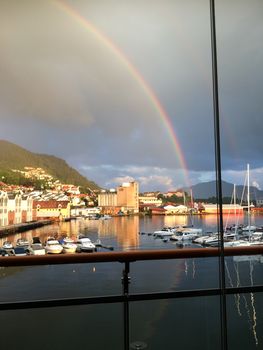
{"x":16,"y":157}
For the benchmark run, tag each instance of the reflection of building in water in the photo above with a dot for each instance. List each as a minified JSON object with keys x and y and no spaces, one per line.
{"x":171,"y":221}
{"x":229,"y":219}
{"x":125,"y":200}
{"x":124,"y":228}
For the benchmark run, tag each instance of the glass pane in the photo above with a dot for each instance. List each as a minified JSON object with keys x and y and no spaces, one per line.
{"x":244,"y":321}
{"x":244,"y":270}
{"x":97,"y":327}
{"x":60,"y":281}
{"x":172,"y":275}
{"x":192,"y":323}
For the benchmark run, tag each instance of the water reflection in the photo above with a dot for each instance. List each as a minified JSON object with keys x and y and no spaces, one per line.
{"x":246,"y":304}
{"x":124,"y":229}
{"x":244,"y":310}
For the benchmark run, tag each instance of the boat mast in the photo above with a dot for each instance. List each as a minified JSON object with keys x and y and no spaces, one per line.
{"x":248,"y":201}
{"x":235,"y":209}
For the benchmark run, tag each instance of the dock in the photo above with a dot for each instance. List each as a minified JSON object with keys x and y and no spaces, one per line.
{"x":12,"y":229}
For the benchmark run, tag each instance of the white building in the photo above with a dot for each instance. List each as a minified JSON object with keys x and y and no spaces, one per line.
{"x":152,"y":200}
{"x":14,"y":208}
{"x":3,"y":208}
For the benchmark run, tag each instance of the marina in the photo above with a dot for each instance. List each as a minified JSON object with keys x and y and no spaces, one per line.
{"x":147,"y":319}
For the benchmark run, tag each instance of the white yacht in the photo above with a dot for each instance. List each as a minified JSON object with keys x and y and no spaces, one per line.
{"x":183,"y":236}
{"x":68,"y":245}
{"x":53,"y":246}
{"x":21,"y":242}
{"x":36,"y":248}
{"x":249,"y":228}
{"x":84,"y":244}
{"x":166,"y":231}
{"x":201,"y":239}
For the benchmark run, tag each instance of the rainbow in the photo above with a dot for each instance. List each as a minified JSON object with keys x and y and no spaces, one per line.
{"x":113,"y":48}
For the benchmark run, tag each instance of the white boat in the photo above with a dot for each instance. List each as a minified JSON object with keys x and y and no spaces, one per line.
{"x":84,"y":244}
{"x":237,"y":243}
{"x":201,"y":239}
{"x":212,"y":240}
{"x":249,"y":228}
{"x":166,"y":231}
{"x":21,"y":242}
{"x":105,"y":217}
{"x":7,"y":245}
{"x":53,"y":246}
{"x":8,"y":248}
{"x":183,"y":236}
{"x":36,"y":248}
{"x":68,"y":245}
{"x":193,"y":230}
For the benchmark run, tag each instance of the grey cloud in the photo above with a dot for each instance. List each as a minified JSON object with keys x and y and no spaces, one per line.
{"x":72,"y":90}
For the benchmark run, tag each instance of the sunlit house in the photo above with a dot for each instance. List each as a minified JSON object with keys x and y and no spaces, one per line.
{"x":52,"y":209}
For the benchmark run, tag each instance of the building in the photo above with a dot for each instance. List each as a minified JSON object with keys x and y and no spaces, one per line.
{"x":52,"y":209}
{"x":128,"y":197}
{"x":150,"y":200}
{"x":78,"y":211}
{"x":107,"y":201}
{"x":178,"y":209}
{"x":27,"y":208}
{"x":125,"y":200}
{"x":107,"y":198}
{"x":15,"y":208}
{"x":3,"y":208}
{"x":227,"y":208}
{"x":179,"y":194}
{"x":259,"y":202}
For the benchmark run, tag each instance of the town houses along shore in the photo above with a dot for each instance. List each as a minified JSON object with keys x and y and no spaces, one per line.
{"x":21,"y":205}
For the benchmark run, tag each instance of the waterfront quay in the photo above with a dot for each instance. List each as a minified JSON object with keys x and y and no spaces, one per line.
{"x":22,"y":227}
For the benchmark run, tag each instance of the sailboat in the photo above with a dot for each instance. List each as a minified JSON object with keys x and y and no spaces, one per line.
{"x":236,"y":242}
{"x":253,"y":237}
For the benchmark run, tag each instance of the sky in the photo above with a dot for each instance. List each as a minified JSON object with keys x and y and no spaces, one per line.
{"x":122,"y":90}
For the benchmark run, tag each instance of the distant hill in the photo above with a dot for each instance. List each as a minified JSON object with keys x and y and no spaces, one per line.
{"x":206,"y":190}
{"x":16,"y":157}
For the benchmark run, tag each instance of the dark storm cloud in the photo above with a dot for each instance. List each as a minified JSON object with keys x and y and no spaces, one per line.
{"x":77,"y":99}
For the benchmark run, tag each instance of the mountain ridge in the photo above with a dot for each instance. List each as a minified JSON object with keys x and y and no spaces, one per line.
{"x":207,"y":190}
{"x":13,"y":156}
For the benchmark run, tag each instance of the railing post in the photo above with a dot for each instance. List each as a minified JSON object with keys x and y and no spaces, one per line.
{"x":125,"y":289}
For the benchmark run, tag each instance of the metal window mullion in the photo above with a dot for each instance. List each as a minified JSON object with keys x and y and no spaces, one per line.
{"x":223,"y":313}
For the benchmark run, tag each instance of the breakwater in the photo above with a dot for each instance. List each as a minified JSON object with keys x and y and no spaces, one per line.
{"x":12,"y":229}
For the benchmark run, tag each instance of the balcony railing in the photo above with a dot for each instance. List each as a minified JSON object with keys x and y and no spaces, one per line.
{"x":127,"y":258}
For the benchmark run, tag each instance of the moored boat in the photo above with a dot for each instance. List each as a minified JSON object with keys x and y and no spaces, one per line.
{"x":21,"y":242}
{"x":84,"y":244}
{"x":36,"y":248}
{"x":68,"y":245}
{"x":166,"y":231}
{"x":183,"y":236}
{"x":53,"y":246}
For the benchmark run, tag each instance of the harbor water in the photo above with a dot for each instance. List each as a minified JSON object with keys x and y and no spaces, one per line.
{"x":189,"y":323}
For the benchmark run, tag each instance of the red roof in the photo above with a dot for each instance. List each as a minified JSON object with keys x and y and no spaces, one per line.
{"x":52,"y":204}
